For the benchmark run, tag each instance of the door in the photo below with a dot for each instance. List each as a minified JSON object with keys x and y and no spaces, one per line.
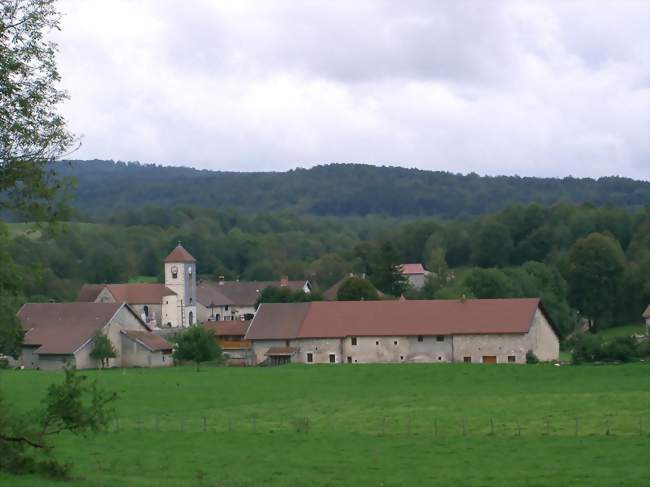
{"x":489,"y":359}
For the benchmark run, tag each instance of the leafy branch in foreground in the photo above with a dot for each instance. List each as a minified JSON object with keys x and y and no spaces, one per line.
{"x":72,"y":406}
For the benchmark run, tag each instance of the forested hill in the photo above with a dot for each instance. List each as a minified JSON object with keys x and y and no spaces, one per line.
{"x":335,"y":189}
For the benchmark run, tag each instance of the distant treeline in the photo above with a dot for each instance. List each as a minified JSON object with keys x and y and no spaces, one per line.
{"x":523,"y":250}
{"x":334,"y":189}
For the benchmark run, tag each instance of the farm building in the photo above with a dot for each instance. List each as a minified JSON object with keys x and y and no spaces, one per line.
{"x":415,"y":273}
{"x":59,"y":335}
{"x":230,"y":337}
{"x":472,"y":330}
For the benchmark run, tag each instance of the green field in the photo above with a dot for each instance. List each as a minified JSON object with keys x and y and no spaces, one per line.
{"x":377,"y":425}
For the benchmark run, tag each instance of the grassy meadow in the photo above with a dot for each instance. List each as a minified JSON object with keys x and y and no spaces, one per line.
{"x":388,"y":425}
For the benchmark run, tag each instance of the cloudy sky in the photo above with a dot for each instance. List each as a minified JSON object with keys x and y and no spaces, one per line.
{"x":495,"y":87}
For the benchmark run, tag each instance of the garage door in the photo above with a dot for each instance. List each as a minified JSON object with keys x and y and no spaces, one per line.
{"x":489,"y":359}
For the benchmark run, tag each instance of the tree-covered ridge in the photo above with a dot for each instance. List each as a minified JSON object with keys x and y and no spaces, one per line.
{"x":334,"y":189}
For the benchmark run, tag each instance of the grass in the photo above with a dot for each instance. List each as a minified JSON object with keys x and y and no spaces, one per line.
{"x":143,"y":279}
{"x":621,"y":331}
{"x":361,"y":425}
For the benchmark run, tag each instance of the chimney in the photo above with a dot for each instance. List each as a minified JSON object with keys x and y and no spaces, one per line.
{"x":284,"y":281}
{"x":221,"y":278}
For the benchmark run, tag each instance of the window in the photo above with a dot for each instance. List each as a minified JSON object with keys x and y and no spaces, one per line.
{"x":310,"y":357}
{"x":467,"y":360}
{"x":377,"y":343}
{"x":191,"y":318}
{"x":225,"y":308}
{"x":332,"y":358}
{"x":146,"y":311}
{"x":401,"y":357}
{"x":349,"y":359}
{"x":511,"y":359}
{"x":286,"y":343}
{"x":420,"y":338}
{"x":440,"y":338}
{"x":354,"y":340}
{"x":174,"y":272}
{"x":439,"y":358}
{"x":190,"y":300}
{"x":395,"y":342}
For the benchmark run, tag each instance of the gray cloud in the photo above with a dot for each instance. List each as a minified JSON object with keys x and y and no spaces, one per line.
{"x":530,"y":88}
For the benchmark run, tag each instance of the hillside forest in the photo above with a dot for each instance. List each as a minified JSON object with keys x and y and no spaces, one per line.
{"x":584,"y":261}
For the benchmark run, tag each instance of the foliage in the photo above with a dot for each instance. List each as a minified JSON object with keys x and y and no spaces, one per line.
{"x":531,"y":358}
{"x":593,"y":348}
{"x":32,"y":133}
{"x":71,"y":406}
{"x":342,"y":190}
{"x":274,"y":294}
{"x":384,"y":270}
{"x":103,"y":349}
{"x":596,"y":265}
{"x":357,"y":289}
{"x":197,"y":344}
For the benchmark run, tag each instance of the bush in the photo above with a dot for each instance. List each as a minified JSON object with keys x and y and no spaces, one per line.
{"x":531,"y":358}
{"x":587,"y":348}
{"x":591,"y":348}
{"x":621,"y":349}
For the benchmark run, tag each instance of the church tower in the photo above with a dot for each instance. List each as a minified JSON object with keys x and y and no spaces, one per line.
{"x":180,"y":277}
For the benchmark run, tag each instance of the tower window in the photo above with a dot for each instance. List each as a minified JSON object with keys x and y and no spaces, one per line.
{"x":354,"y":340}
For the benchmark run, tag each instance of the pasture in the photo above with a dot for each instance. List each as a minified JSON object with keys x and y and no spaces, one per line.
{"x":388,"y":425}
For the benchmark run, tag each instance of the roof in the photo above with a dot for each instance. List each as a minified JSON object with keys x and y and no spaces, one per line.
{"x":277,"y":321}
{"x":89,"y":292}
{"x":140,"y":293}
{"x":179,"y":254}
{"x":150,"y":340}
{"x":412,"y":269}
{"x":62,"y":328}
{"x":281,"y":351}
{"x":238,"y":293}
{"x":228,"y":328}
{"x":646,"y":313}
{"x":335,"y":319}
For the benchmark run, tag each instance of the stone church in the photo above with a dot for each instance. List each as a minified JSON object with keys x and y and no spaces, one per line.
{"x":168,"y":305}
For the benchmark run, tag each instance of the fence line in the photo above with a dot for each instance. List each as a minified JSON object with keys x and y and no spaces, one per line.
{"x":606,"y":425}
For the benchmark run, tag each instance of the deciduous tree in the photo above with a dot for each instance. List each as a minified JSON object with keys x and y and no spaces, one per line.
{"x":103,"y":349}
{"x":197,"y":344}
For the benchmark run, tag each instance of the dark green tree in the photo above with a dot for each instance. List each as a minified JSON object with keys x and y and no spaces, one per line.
{"x":493,"y":245}
{"x":32,"y":132}
{"x":596,"y":265}
{"x":357,"y":289}
{"x":385,"y":273}
{"x":103,"y":349}
{"x":275,"y":294}
{"x":197,"y":344}
{"x":72,"y":406}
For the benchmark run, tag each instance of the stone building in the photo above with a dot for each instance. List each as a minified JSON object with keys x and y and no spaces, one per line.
{"x":59,"y":335}
{"x":415,"y":273}
{"x":472,"y":331}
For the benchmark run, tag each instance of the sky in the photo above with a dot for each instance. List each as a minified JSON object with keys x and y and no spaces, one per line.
{"x":551,"y":88}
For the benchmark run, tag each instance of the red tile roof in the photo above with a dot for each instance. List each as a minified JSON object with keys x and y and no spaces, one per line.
{"x":150,"y":340}
{"x":646,"y":313}
{"x":228,"y":328}
{"x":179,"y":254}
{"x":392,"y":318}
{"x":238,"y":293}
{"x":139,"y":293}
{"x":89,"y":292}
{"x":61,"y":328}
{"x":412,"y":269}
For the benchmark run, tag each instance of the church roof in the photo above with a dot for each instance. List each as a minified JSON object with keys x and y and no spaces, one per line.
{"x":139,"y":293}
{"x":179,"y":254}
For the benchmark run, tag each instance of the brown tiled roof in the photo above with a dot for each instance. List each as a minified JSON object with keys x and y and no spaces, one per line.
{"x":139,"y":293}
{"x":179,"y":254}
{"x":334,"y":319}
{"x":281,"y":351}
{"x":208,"y":294}
{"x":240,"y":293}
{"x":646,"y":313}
{"x":150,"y":340}
{"x":412,"y":269}
{"x":61,"y":328}
{"x":228,"y":328}
{"x":89,"y":292}
{"x":277,"y":321}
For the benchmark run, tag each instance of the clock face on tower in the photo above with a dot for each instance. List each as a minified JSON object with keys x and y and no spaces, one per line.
{"x":174,"y":271}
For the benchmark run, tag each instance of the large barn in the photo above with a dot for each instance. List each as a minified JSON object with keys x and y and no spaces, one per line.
{"x":472,"y":330}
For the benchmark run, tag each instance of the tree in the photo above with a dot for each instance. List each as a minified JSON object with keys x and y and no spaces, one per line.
{"x":197,"y":345}
{"x":385,"y":272}
{"x":32,"y":133}
{"x":489,"y":283}
{"x":103,"y":349}
{"x":493,"y":245}
{"x":72,"y":407}
{"x":595,"y":269}
{"x":275,"y":294}
{"x":357,"y":289}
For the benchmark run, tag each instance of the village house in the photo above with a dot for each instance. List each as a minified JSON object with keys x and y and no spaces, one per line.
{"x":230,"y":337}
{"x":59,"y":335}
{"x":172,"y":304}
{"x":415,"y":273}
{"x":236,"y":300}
{"x":487,"y":331}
